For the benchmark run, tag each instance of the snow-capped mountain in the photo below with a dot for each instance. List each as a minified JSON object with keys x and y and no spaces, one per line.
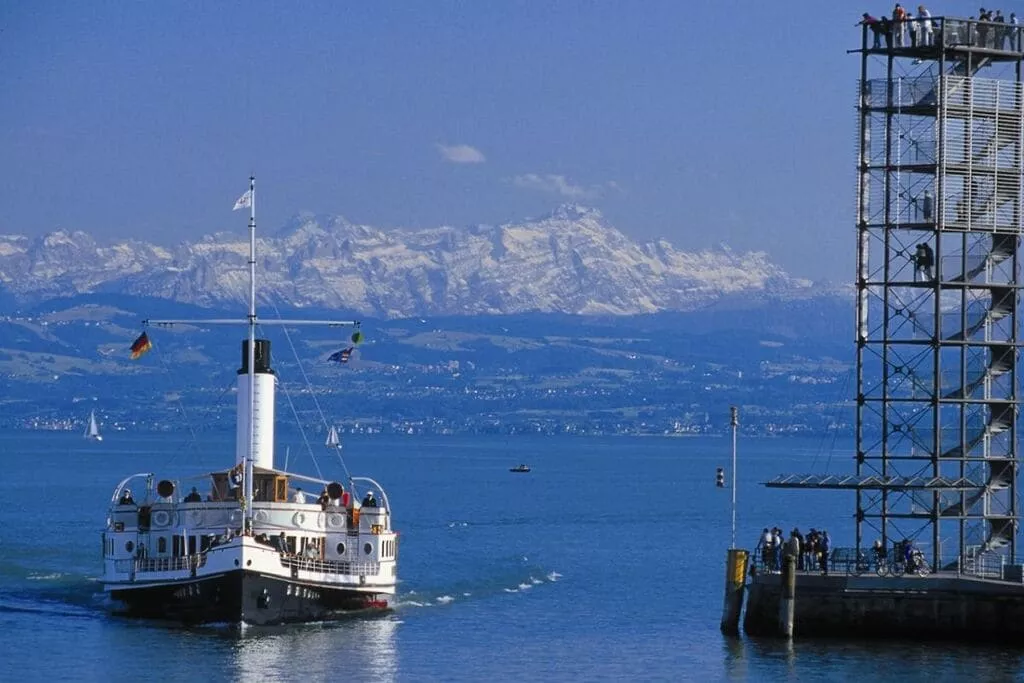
{"x":571,"y":261}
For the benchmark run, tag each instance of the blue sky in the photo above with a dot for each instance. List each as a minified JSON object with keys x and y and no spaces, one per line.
{"x":701,"y":122}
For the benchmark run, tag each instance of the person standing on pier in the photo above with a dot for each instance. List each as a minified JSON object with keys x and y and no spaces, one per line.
{"x":801,"y":549}
{"x":776,"y":537}
{"x":825,"y":544}
{"x":793,"y":546}
{"x":764,"y":544}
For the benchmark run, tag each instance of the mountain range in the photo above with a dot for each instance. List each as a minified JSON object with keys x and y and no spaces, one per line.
{"x":570,"y":261}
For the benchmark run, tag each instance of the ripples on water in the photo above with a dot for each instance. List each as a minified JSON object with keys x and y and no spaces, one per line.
{"x":604,"y":563}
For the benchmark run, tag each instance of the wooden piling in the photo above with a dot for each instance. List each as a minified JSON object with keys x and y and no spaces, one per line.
{"x":787,"y":605}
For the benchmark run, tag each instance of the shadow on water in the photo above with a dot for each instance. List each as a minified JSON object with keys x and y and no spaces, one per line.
{"x":906,"y":659}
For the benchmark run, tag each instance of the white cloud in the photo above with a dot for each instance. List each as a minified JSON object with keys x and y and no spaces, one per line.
{"x":560,"y":185}
{"x":461,"y":154}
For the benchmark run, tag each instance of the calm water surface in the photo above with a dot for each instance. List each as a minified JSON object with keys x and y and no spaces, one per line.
{"x":604,"y":563}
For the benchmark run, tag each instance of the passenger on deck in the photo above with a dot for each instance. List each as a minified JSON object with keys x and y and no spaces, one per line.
{"x":282,"y":543}
{"x":299,"y":496}
{"x":126,"y":498}
{"x":369,"y":501}
{"x":324,"y":500}
{"x":193,"y":497}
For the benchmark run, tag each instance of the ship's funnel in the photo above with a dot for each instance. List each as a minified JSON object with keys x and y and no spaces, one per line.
{"x":262,"y":429}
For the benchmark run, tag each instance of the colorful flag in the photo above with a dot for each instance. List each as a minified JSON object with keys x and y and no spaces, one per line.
{"x":244,"y":202}
{"x":140,"y":346}
{"x":341,"y":356}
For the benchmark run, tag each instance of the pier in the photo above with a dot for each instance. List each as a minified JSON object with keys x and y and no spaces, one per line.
{"x":938,"y":606}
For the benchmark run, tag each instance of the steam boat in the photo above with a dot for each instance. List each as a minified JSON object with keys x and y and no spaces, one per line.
{"x":250,"y":543}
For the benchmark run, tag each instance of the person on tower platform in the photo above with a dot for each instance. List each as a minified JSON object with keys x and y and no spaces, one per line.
{"x":924,"y":259}
{"x":876,"y":26}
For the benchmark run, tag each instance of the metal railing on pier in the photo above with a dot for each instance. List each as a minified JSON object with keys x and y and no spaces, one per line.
{"x":850,"y":561}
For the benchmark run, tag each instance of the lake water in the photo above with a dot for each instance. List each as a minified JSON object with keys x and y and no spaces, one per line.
{"x":606,"y":562}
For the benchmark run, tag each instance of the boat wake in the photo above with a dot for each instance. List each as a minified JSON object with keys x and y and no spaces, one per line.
{"x":440,"y":598}
{"x":50,"y":592}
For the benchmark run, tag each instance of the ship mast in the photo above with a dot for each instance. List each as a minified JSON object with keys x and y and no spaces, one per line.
{"x":251,"y":318}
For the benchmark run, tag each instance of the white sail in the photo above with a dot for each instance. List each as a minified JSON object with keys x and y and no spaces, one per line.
{"x":332,"y":439}
{"x":93,"y":430}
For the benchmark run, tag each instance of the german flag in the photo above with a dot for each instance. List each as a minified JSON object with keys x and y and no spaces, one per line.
{"x":140,"y":346}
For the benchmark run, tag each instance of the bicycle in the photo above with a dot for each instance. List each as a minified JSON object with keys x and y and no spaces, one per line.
{"x":918,"y":566}
{"x":885,"y":567}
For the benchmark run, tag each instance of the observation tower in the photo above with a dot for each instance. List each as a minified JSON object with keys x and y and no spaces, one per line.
{"x":938,"y":222}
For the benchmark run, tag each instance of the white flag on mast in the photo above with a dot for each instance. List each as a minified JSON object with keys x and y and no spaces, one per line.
{"x":244,"y":202}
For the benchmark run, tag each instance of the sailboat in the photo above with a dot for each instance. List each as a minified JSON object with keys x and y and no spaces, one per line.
{"x":251,"y":547}
{"x":332,"y":440}
{"x":93,"y":430}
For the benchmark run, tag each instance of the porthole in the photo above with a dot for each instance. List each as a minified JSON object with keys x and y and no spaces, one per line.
{"x":129,"y":546}
{"x":367,"y":548}
{"x":341,"y":548}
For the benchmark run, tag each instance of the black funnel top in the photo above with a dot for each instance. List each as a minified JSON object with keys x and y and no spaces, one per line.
{"x":262,"y":364}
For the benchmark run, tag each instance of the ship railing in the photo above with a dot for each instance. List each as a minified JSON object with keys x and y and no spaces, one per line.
{"x":160,"y":564}
{"x":330,"y":566}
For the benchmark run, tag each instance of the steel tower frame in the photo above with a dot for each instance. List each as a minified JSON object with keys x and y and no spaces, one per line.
{"x":939,"y":164}
{"x":940,"y":157}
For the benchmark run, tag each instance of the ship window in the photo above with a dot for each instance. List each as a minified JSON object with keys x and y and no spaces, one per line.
{"x":161,"y":545}
{"x":341,"y":548}
{"x":129,"y":546}
{"x":367,"y":548}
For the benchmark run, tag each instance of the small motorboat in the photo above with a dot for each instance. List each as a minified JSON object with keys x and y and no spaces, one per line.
{"x":520,"y":468}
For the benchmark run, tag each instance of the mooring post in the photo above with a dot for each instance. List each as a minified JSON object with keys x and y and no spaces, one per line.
{"x":787,"y":605}
{"x":735,"y":582}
